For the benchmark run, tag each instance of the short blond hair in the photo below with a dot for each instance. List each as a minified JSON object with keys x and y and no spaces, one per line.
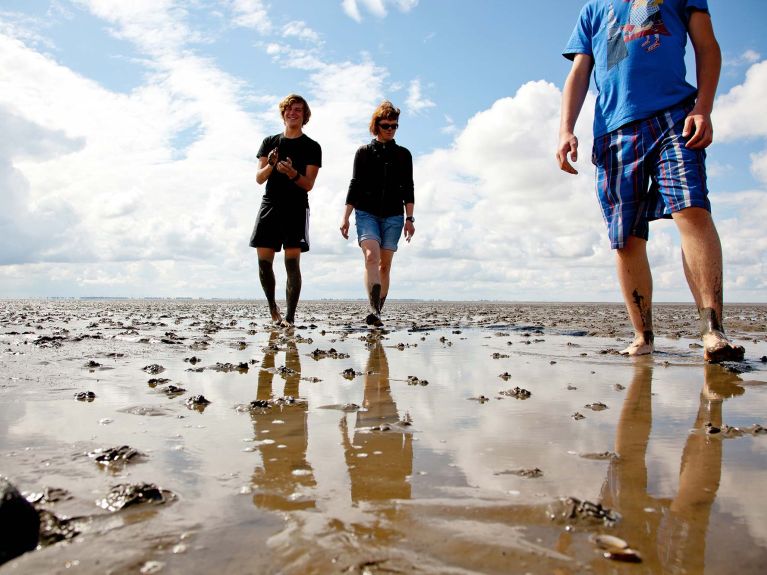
{"x":291,"y":99}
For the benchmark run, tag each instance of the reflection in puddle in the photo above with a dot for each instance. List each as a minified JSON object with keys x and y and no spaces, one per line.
{"x":393,"y":469}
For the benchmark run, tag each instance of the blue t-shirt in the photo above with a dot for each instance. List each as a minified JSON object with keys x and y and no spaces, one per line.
{"x":638,"y":49}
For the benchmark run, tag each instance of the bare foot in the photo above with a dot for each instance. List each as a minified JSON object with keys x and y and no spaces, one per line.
{"x":276,"y":315}
{"x":640,"y":346}
{"x":717,"y":348}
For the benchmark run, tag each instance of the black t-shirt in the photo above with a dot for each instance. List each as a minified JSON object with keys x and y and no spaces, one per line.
{"x":303,"y":151}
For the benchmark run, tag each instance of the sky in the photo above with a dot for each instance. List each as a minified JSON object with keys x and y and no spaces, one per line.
{"x":129,"y":133}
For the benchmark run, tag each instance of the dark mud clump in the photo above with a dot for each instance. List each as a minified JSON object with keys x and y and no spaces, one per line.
{"x":127,"y":494}
{"x":116,"y":457}
{"x":517,"y":393}
{"x":571,"y":510}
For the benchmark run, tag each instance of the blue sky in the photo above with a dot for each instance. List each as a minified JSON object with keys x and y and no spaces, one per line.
{"x":128,"y":168}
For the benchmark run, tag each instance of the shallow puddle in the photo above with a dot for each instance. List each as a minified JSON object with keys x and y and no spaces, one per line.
{"x":465,"y":438}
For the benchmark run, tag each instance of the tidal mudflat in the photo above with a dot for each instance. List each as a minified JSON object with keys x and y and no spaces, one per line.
{"x":164,"y":436}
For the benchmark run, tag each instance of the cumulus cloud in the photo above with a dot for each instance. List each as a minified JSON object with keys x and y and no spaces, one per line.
{"x":739,"y":113}
{"x":152,"y":192}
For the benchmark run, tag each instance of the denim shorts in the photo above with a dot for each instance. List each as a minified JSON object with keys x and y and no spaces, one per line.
{"x":386,"y":231}
{"x":644,"y":173}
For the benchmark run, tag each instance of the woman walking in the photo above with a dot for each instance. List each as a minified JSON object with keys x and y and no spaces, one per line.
{"x":380,"y":191}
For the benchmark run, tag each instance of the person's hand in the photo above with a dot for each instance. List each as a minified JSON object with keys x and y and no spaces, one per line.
{"x":568,"y":144}
{"x":698,"y":127}
{"x":345,"y":228}
{"x":273,"y":157}
{"x":409,"y":230}
{"x":285,"y":167}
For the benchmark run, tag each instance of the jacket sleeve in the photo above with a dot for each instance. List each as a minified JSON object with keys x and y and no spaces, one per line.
{"x":355,"y":185}
{"x":407,"y":186}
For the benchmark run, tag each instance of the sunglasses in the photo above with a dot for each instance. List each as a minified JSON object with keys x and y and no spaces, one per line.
{"x":388,"y":126}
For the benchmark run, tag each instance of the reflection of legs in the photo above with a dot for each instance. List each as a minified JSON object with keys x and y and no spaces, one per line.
{"x":636,"y":285}
{"x":266,"y":275}
{"x":264,"y":376}
{"x":371,"y":250}
{"x":702,"y":260}
{"x":383,"y":473}
{"x":293,"y":286}
{"x":293,"y":374}
{"x":701,"y":470}
{"x":626,"y":486}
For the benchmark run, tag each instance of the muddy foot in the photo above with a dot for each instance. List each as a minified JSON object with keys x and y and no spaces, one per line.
{"x":639,"y":347}
{"x":374,"y":320}
{"x":717,"y":348}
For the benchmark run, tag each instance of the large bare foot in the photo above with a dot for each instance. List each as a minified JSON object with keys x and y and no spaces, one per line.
{"x":640,"y":346}
{"x":717,"y":348}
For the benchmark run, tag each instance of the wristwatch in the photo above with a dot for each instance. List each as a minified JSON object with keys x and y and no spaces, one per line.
{"x":410,"y":219}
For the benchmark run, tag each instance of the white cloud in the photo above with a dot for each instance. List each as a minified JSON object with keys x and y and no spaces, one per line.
{"x":416,"y":102}
{"x":152,"y":192}
{"x":251,"y":14}
{"x":299,"y":29}
{"x":740,"y":112}
{"x":375,"y":7}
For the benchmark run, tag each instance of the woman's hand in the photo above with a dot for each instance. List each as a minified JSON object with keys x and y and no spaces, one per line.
{"x":409,"y":230}
{"x":345,"y":228}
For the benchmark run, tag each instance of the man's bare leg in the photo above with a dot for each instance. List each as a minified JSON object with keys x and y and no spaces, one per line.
{"x":266,"y":275}
{"x":371,"y":251}
{"x":636,"y":286}
{"x":702,"y":261}
{"x":293,"y":283}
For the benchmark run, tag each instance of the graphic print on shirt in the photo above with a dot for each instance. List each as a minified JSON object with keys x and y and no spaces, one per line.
{"x":644,"y":21}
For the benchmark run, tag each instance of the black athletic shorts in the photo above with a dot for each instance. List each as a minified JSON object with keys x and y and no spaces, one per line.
{"x":280,"y":226}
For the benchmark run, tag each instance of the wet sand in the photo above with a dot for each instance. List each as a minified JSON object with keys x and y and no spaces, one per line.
{"x":464,"y":438}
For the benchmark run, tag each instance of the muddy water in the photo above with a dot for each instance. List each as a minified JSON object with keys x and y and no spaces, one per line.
{"x":334,"y":449}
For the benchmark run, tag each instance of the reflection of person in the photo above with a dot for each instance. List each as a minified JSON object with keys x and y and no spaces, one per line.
{"x":381,"y":184}
{"x":651,"y":129}
{"x":285,"y":470}
{"x":675,"y":534}
{"x":288,"y":163}
{"x":379,"y":462}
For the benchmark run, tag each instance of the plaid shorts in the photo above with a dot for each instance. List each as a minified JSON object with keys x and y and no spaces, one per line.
{"x":644,"y":173}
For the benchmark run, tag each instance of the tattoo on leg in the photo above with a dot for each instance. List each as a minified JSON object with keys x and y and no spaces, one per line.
{"x":293,"y":287}
{"x":374,"y":297}
{"x":266,"y":275}
{"x":709,"y":321}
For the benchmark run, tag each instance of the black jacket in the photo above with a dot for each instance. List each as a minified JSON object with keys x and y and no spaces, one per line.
{"x":382,"y":181}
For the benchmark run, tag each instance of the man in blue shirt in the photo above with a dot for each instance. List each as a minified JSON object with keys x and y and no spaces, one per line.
{"x":651,"y":128}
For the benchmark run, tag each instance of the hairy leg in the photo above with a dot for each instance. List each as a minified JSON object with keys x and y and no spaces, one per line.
{"x":266,"y":275}
{"x":293,"y":284}
{"x":636,"y":286}
{"x":702,"y":262}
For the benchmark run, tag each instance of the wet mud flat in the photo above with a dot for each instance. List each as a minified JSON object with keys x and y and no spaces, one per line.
{"x":169,"y":436}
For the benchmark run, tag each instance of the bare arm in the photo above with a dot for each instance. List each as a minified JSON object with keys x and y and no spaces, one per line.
{"x":345,"y":221}
{"x":708,"y":64}
{"x":265,"y":169}
{"x":304,"y":181}
{"x":573,"y":96}
{"x":409,"y":226}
